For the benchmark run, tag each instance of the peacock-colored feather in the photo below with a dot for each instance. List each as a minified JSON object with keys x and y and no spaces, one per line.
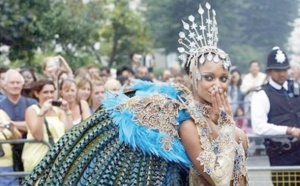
{"x":105,"y":166}
{"x":92,"y":153}
{"x":63,"y":169}
{"x":54,"y":160}
{"x":110,"y":142}
{"x":149,"y":138}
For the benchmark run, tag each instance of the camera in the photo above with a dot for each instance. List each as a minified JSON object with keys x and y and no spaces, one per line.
{"x":56,"y":61}
{"x":56,"y":103}
{"x":2,"y":153}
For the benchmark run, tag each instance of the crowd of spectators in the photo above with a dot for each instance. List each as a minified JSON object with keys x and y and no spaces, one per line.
{"x":43,"y":106}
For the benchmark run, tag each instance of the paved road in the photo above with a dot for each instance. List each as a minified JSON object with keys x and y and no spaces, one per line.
{"x":257,"y":158}
{"x":259,"y":178}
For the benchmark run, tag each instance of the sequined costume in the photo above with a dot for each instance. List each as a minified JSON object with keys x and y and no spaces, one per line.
{"x":133,"y":139}
{"x":223,"y":158}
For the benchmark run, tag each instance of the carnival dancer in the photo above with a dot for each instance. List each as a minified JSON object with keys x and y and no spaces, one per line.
{"x":155,"y":134}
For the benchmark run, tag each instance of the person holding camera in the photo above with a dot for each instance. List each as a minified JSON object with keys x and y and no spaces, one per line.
{"x":276,"y":115}
{"x":52,"y":65}
{"x":15,"y":106}
{"x":7,"y":131}
{"x":47,"y":121}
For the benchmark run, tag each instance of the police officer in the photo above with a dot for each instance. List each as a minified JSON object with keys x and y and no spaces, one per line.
{"x":276,"y":112}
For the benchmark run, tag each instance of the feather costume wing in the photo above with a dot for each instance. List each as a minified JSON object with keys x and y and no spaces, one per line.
{"x":113,"y":147}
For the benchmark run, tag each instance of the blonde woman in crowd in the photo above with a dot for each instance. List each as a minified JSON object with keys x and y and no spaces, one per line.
{"x":52,"y":65}
{"x":61,"y":75}
{"x":7,"y":131}
{"x":80,"y":108}
{"x":112,"y":85}
{"x":98,"y":92}
{"x":84,"y":89}
{"x":55,"y":68}
{"x":45,"y":121}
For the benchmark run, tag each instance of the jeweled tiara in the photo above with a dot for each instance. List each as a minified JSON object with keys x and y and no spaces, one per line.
{"x":199,"y":42}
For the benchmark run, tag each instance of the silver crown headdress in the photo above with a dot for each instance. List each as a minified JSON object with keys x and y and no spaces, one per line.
{"x":201,"y":43}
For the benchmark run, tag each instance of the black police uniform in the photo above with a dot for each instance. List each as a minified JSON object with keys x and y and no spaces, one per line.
{"x":284,"y":111}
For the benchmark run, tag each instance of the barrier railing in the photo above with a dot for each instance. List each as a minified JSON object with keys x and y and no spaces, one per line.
{"x":20,"y":141}
{"x":259,"y":169}
{"x":258,"y":175}
{"x":281,"y":175}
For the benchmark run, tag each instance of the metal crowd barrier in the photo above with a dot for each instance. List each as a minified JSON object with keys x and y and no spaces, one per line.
{"x":20,"y":141}
{"x":262,"y":175}
{"x":260,"y":172}
{"x":259,"y":169}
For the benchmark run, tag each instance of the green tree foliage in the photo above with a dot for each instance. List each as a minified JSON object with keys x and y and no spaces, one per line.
{"x":269,"y":23}
{"x":124,"y":32}
{"x":164,"y":20}
{"x":247,"y":29}
{"x":74,"y":27}
{"x":20,"y":27}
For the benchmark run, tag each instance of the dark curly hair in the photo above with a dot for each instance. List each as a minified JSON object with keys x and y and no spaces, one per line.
{"x":240,"y":80}
{"x":39,"y":85}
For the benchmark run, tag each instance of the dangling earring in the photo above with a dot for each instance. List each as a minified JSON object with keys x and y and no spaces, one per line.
{"x":195,"y":78}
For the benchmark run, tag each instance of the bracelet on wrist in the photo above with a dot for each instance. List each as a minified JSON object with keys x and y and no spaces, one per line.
{"x":290,"y":130}
{"x":69,"y":112}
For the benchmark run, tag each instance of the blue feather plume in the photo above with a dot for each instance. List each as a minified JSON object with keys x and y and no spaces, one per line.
{"x":141,"y":137}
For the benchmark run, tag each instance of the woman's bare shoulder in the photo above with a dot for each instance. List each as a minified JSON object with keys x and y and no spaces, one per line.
{"x":187,"y":126}
{"x":187,"y":123}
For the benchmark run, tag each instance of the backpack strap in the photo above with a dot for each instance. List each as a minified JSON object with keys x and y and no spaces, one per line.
{"x":50,"y":137}
{"x":80,"y":108}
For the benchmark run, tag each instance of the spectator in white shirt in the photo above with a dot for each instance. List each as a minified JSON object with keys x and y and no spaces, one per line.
{"x":250,"y":83}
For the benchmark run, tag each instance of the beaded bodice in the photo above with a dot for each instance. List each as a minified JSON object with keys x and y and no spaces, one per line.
{"x":223,"y":158}
{"x":156,"y":115}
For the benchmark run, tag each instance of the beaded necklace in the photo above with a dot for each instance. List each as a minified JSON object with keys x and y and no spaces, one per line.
{"x":204,"y":108}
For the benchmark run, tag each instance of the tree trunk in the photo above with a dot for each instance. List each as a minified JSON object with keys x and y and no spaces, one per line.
{"x":114,"y":46}
{"x":97,"y":56}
